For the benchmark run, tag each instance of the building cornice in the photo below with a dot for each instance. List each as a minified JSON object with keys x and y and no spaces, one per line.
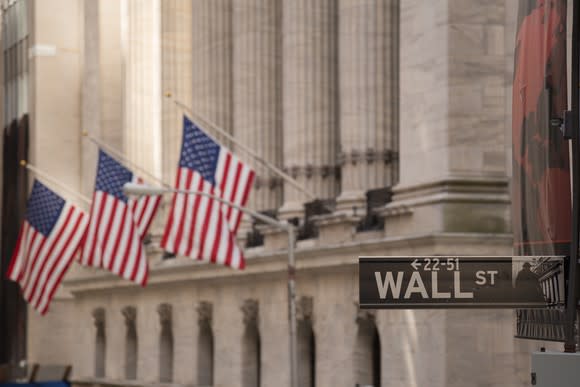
{"x":336,"y":257}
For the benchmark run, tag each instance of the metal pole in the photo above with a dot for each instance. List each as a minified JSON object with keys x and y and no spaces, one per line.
{"x":141,"y":189}
{"x":572,"y":301}
{"x":292,"y":308}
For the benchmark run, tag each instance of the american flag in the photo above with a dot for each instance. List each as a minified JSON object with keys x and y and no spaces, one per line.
{"x":48,"y":240}
{"x":201,"y":227}
{"x":117,"y":225}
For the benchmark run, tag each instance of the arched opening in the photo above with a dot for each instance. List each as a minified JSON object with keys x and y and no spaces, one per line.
{"x":368,"y":354}
{"x":100,"y":342}
{"x":166,"y":355}
{"x":131,"y":352}
{"x":376,"y":358}
{"x":205,"y":355}
{"x":251,"y":357}
{"x":165,"y":344}
{"x":306,"y":354}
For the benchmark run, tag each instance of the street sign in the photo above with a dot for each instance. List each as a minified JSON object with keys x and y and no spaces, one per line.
{"x":424,"y":282}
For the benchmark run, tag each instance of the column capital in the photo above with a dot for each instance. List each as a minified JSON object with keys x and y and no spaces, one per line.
{"x":250,"y":310}
{"x":204,"y":313}
{"x":98,"y":316}
{"x":130,"y":314}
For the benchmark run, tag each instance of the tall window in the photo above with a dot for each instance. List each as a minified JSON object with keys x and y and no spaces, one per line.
{"x":15,"y":56}
{"x":205,"y":346}
{"x":251,"y":346}
{"x":306,"y":354}
{"x":165,"y":344}
{"x":367,"y":351}
{"x":306,"y":343}
{"x":100,"y":342}
{"x":130,"y":314}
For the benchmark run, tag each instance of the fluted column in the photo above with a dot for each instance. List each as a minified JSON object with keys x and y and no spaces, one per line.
{"x":176,"y":77}
{"x":91,"y":92}
{"x":212,"y":62}
{"x":368,"y":69}
{"x":310,"y":99}
{"x":256,"y":103}
{"x":142,"y":70}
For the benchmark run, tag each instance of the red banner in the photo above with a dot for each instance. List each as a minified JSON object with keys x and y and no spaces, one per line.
{"x":541,"y":168}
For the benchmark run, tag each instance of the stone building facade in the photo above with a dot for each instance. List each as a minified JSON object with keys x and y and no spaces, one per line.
{"x":395,"y":113}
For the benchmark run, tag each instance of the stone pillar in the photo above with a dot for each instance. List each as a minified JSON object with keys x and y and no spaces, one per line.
{"x":176,"y":77}
{"x":309,"y":100}
{"x":91,"y":91}
{"x":102,"y":89}
{"x":256,"y":101}
{"x":55,"y":75}
{"x":142,"y":71}
{"x":452,"y":103}
{"x":368,"y":42}
{"x":111,"y":73}
{"x":212,"y":64}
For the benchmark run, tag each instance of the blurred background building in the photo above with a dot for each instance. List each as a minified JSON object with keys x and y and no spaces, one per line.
{"x":395,"y":114}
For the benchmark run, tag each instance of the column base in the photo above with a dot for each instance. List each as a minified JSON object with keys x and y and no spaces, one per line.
{"x":454,"y":204}
{"x":352,"y":202}
{"x":337,"y":227}
{"x":275,"y":238}
{"x":291,"y":210}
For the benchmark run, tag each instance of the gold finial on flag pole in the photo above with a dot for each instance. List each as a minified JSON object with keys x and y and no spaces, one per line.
{"x":247,"y":149}
{"x":54,"y":181}
{"x":117,"y":155}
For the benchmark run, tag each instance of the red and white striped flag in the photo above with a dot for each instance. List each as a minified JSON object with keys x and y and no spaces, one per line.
{"x":47,"y":242}
{"x":117,"y":225}
{"x":201,"y":227}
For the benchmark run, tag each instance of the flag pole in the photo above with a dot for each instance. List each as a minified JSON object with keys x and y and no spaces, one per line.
{"x":124,"y":160}
{"x":572,"y":301}
{"x":142,"y":189}
{"x":246,"y":148}
{"x":52,"y":180}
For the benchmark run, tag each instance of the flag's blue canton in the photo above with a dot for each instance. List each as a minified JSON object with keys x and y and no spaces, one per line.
{"x":44,"y":208}
{"x":198,"y":151}
{"x":111,"y":176}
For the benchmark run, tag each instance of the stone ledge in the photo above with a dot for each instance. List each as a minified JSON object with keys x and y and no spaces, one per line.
{"x":339,"y":256}
{"x":102,"y":382}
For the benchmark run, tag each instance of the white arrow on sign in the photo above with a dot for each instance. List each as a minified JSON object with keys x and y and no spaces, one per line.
{"x":416,"y":264}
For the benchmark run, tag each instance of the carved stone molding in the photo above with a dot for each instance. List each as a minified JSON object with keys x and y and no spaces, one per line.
{"x":370,"y":155}
{"x":310,"y":171}
{"x":99,"y":316}
{"x":364,"y":316}
{"x":205,"y":313}
{"x":271,"y":182}
{"x":305,"y":309}
{"x":250,"y":309}
{"x":165,"y":313}
{"x":130,"y":314}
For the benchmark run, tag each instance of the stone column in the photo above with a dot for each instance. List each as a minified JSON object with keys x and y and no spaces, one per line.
{"x":176,"y":77}
{"x":142,"y":73}
{"x":212,"y":63}
{"x":452,"y":103}
{"x":91,"y":91}
{"x":368,"y":97}
{"x":111,"y":73}
{"x":256,"y":101}
{"x":309,"y":99}
{"x":102,"y":89}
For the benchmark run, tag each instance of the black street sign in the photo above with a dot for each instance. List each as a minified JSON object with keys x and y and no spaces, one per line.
{"x":424,"y":282}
